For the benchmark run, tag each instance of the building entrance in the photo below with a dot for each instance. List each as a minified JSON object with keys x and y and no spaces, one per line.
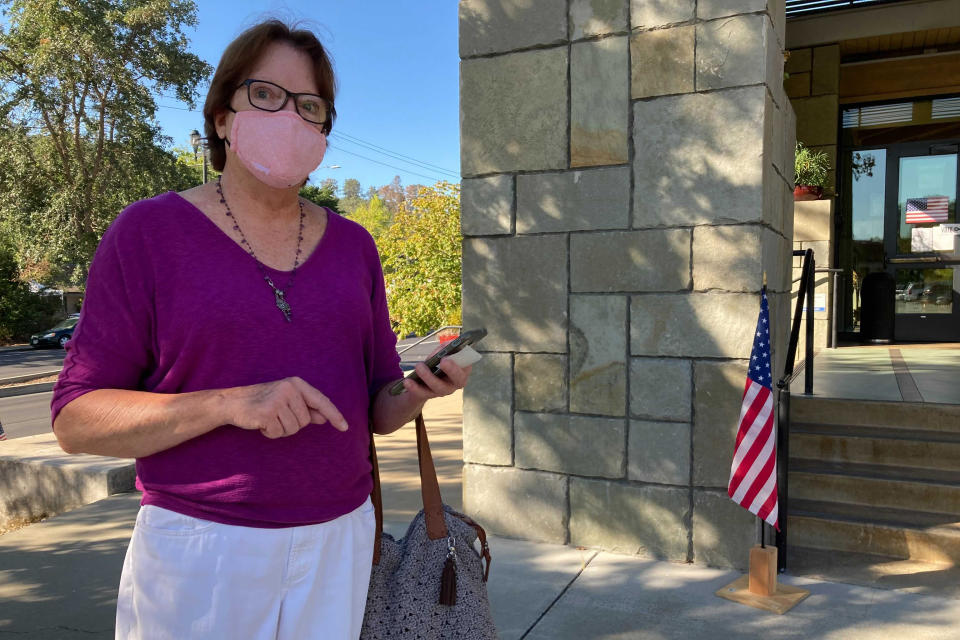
{"x":897,"y":214}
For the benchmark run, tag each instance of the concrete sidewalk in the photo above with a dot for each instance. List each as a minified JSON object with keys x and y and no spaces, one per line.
{"x":58,"y":578}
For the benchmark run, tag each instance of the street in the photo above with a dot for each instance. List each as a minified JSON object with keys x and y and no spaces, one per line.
{"x":22,"y":362}
{"x":26,"y":415}
{"x":29,"y":415}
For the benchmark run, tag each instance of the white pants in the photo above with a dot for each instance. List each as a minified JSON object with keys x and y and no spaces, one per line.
{"x":186,"y":579}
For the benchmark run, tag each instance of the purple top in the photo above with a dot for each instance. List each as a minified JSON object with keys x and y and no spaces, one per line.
{"x":174,"y":305}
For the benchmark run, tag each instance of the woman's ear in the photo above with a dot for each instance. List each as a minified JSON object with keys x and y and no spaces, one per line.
{"x":220,"y":124}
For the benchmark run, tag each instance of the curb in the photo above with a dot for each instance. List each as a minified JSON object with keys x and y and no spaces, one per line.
{"x":29,"y":376}
{"x":37,"y":477}
{"x":26,"y":389}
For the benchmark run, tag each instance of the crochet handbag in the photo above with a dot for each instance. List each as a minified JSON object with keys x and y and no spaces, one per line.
{"x":430,"y":584}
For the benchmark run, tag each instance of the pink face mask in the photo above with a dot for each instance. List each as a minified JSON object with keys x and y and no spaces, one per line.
{"x":278,"y":147}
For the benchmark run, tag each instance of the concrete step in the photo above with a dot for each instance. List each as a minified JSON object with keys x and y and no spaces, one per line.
{"x":899,"y":533}
{"x":924,"y":416}
{"x":38,"y":479}
{"x":927,"y":490}
{"x":869,"y":570}
{"x":891,"y":446}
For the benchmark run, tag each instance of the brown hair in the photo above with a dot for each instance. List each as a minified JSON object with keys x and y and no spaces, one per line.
{"x":240,"y":57}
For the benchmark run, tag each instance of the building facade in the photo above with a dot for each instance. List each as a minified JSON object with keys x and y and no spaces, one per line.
{"x":627,"y":183}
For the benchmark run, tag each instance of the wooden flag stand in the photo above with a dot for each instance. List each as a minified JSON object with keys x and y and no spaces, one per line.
{"x":759,"y":588}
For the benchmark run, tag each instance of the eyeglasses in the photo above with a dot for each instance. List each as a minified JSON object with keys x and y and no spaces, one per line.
{"x":267,"y":96}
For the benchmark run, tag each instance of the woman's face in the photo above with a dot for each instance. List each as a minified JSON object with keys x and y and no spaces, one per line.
{"x":282,"y":65}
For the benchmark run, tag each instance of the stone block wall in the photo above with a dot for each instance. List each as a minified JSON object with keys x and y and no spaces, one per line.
{"x":627,"y":170}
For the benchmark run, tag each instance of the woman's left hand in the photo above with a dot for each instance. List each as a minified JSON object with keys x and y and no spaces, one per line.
{"x":432,"y":386}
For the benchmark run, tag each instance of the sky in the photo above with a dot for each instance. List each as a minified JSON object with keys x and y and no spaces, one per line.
{"x":397,"y":70}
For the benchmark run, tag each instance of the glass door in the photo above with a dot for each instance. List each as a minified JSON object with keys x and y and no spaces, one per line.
{"x":860,"y":228}
{"x":922,"y":240}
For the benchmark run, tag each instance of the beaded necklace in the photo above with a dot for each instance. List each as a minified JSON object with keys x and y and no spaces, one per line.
{"x":278,"y":293}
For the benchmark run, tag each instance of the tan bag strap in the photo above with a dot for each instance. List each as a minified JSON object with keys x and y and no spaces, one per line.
{"x":429,"y":490}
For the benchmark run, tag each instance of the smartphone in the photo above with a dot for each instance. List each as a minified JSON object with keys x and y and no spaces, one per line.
{"x":433,"y":362}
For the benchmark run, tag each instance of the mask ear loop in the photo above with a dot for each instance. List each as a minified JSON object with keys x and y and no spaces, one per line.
{"x":225,"y":138}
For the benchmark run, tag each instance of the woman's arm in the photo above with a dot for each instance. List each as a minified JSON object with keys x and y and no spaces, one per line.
{"x":135,"y":424}
{"x":389,"y":413}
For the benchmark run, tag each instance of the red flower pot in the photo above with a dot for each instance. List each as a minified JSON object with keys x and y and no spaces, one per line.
{"x":447,"y":336}
{"x":806,"y":192}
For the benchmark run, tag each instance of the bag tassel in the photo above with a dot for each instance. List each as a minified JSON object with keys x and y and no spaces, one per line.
{"x":448,"y":580}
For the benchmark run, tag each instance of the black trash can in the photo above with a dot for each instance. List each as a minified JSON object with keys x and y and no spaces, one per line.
{"x":877,"y":307}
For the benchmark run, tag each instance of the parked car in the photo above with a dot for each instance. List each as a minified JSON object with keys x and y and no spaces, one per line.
{"x":57,"y":336}
{"x":910,"y":291}
{"x":938,"y":293}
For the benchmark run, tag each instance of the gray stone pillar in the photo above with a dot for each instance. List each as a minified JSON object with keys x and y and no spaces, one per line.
{"x":626,"y":172}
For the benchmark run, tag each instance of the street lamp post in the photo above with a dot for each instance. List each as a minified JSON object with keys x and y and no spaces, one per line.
{"x":197,"y":141}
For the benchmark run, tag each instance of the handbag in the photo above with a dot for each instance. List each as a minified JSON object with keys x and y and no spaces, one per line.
{"x":430,"y":584}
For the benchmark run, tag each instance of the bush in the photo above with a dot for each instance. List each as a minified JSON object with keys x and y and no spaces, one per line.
{"x":811,"y":167}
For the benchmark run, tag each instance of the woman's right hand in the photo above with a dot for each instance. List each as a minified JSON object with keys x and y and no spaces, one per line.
{"x":281,"y":408}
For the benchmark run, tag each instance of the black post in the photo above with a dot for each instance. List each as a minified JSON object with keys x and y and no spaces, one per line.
{"x":783,"y":445}
{"x":797,"y":314}
{"x":808,"y":362}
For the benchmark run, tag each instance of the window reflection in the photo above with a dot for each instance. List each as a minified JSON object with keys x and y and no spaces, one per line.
{"x":867,"y":171}
{"x":926,"y":199}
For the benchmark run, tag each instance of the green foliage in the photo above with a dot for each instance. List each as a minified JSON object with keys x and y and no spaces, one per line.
{"x":21,"y":312}
{"x":811,"y":167}
{"x":325,"y":196}
{"x":421,"y":256}
{"x":191,"y":165}
{"x":374,"y":216}
{"x":78,"y":82}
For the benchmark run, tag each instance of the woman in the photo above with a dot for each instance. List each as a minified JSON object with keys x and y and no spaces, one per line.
{"x":235,"y":340}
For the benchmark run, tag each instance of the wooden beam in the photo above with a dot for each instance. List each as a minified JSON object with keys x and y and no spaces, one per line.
{"x":900,"y":77}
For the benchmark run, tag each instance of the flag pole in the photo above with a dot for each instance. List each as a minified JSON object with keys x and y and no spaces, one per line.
{"x":763,"y":543}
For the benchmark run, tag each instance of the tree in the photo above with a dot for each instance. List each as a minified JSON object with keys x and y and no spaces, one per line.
{"x":392,"y":194}
{"x":331,"y":184}
{"x":351,"y":188}
{"x":351,"y":199}
{"x":325,"y":195}
{"x":78,"y":88}
{"x":421,"y":255}
{"x":373,"y":216}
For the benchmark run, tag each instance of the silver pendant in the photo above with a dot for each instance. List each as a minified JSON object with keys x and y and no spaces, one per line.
{"x":282,"y":304}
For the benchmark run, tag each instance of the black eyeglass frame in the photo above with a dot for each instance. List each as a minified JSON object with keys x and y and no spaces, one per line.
{"x":326,"y":125}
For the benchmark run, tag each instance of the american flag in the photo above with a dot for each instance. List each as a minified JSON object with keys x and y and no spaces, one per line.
{"x":929,"y":209}
{"x":753,"y":474}
{"x":3,"y":436}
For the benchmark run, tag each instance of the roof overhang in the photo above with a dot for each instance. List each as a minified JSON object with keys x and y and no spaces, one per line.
{"x":871,"y":20}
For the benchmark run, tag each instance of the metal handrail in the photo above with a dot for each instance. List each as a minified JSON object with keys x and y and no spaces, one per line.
{"x":807,"y":285}
{"x":834,"y":309}
{"x":428,"y":336}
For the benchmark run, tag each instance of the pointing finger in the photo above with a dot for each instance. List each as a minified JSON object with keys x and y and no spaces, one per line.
{"x":317,"y":402}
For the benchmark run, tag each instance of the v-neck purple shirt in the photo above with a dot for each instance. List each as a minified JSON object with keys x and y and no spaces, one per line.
{"x":174,"y":305}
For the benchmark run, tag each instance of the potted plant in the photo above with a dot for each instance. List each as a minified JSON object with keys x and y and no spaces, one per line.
{"x":811,"y":169}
